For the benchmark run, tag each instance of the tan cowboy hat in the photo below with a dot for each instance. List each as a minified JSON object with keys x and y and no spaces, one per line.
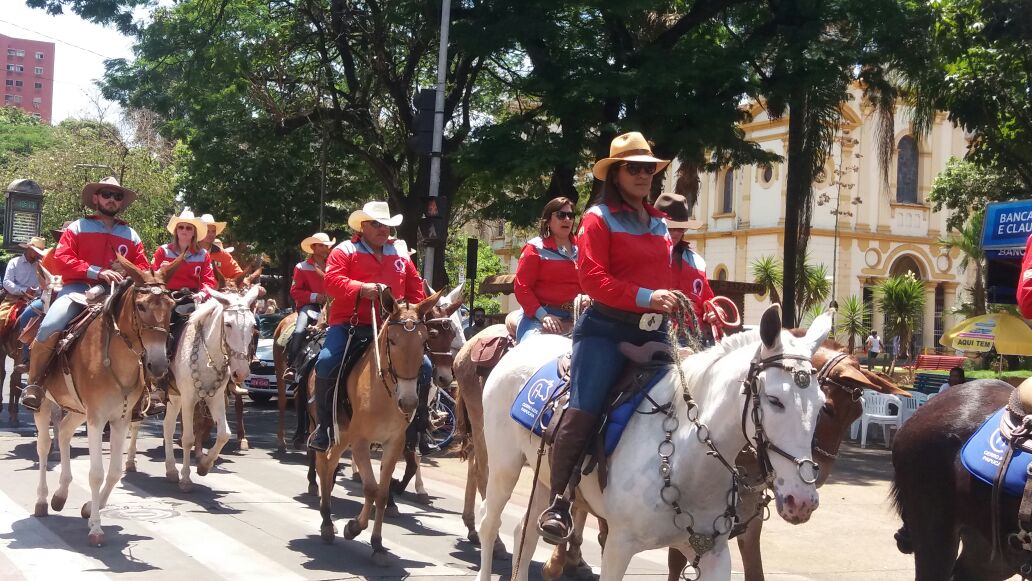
{"x":209,"y":220}
{"x":678,"y":214}
{"x":36,"y":243}
{"x":108,"y":183}
{"x":627,"y":147}
{"x":317,"y":238}
{"x":218,"y":243}
{"x":378,"y":211}
{"x":186,"y":217}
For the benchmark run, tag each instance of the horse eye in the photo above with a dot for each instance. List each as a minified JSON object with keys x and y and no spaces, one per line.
{"x":774,"y":401}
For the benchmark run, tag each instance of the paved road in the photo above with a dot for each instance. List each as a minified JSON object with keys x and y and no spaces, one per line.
{"x":250,"y":519}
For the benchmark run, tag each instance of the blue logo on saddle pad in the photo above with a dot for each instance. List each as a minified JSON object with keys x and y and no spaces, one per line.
{"x":984,"y":451}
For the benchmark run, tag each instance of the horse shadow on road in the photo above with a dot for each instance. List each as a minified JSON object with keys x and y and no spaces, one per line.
{"x":116,"y":554}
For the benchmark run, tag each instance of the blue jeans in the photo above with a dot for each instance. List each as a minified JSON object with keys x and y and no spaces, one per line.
{"x":61,"y":311}
{"x":306,"y":315}
{"x":597,"y":361}
{"x":531,"y":325}
{"x":333,"y":352}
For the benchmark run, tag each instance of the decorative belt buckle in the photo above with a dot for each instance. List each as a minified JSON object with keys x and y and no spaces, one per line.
{"x":650,"y":322}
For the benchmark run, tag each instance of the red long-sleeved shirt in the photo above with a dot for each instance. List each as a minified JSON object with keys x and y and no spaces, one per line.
{"x":225,"y":264}
{"x":195,"y":273}
{"x":690,"y":277}
{"x":545,"y":276}
{"x":307,"y":284}
{"x":1025,"y":282}
{"x":352,"y":264}
{"x":620,"y":260}
{"x":88,"y":247}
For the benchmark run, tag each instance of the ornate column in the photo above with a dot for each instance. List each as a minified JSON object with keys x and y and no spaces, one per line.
{"x":949,"y":295}
{"x":929,"y":314}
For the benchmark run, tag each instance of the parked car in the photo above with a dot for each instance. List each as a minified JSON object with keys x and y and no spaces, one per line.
{"x":261,"y":385}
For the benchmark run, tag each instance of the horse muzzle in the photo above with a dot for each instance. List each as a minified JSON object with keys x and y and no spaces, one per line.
{"x":797,"y":506}
{"x":443,"y":376}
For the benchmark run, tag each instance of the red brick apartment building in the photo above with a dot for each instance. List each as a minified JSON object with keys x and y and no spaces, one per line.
{"x":28,"y":75}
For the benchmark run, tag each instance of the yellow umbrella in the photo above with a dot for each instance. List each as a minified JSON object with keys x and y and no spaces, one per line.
{"x":1009,"y":334}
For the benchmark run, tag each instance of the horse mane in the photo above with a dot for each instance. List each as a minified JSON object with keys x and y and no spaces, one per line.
{"x":696,"y":366}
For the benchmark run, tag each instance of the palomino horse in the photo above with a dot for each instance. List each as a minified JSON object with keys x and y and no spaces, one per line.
{"x":383,"y":395}
{"x":214,"y":350}
{"x":763,"y":376}
{"x":106,"y":379}
{"x":941,"y":503}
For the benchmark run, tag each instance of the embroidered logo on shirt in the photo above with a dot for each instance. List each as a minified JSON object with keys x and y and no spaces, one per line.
{"x":123,"y":249}
{"x":399,"y":264}
{"x":1028,"y":274}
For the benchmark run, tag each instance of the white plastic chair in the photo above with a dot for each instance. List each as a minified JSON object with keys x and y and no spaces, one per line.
{"x":910,"y":405}
{"x":876,"y":411}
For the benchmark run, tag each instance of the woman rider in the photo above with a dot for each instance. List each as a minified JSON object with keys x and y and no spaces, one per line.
{"x":624,"y":266}
{"x":688,"y":266}
{"x":546,"y":277}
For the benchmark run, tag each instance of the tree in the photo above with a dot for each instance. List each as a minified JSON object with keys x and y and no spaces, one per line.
{"x":965,"y":187}
{"x":488,"y":264}
{"x":21,"y":133}
{"x":850,"y":320}
{"x":816,"y":288}
{"x":901,"y":299}
{"x":969,"y":243}
{"x":767,"y":273}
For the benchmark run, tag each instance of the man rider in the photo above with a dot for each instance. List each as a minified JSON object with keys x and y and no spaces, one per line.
{"x":84,"y":257}
{"x":357,"y":270}
{"x":309,"y":293}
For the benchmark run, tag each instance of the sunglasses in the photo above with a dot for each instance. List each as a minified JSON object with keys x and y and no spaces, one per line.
{"x":563,"y":215}
{"x":184,"y":227}
{"x":378,"y":225}
{"x":636,"y":167}
{"x":108,"y":194}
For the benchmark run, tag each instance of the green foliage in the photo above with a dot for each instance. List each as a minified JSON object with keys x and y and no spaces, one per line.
{"x":767,"y":271}
{"x":964,"y":188}
{"x":814,"y":290}
{"x":901,"y":298}
{"x":850,"y":320}
{"x":488,"y":264}
{"x":20,"y":133}
{"x":969,"y":243}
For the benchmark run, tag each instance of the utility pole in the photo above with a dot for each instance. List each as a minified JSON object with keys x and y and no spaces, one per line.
{"x":435,"y":152}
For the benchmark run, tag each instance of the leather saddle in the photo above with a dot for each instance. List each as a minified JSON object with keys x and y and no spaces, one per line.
{"x":1016,"y":431}
{"x":488,"y":351}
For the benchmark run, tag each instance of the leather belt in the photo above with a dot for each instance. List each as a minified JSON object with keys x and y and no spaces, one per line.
{"x":644,"y":321}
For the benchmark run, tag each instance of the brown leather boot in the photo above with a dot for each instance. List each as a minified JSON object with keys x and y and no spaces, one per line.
{"x":40,"y":355}
{"x":571,"y":439}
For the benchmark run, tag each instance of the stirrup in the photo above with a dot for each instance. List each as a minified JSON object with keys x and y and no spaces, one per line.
{"x":311,"y":441}
{"x":290,"y":375}
{"x":30,"y":400}
{"x":557,"y":514}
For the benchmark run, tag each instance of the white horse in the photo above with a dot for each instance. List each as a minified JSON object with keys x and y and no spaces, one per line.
{"x":784,"y":398}
{"x":214,"y":348}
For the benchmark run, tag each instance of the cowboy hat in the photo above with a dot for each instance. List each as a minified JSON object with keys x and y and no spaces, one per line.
{"x":107,"y":184}
{"x":186,"y":217}
{"x":209,"y":220}
{"x":378,"y":211}
{"x":678,"y":215}
{"x":36,"y":243}
{"x":317,"y":238}
{"x":218,"y":243}
{"x":57,"y":232}
{"x":627,"y":147}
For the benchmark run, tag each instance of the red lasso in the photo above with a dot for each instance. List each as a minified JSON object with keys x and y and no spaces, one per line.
{"x":720,"y":313}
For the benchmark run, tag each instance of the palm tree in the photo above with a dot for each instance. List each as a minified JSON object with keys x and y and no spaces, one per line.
{"x":815,"y":291}
{"x":971,"y":254}
{"x":850,"y":320}
{"x":766,"y":271}
{"x":901,"y":299}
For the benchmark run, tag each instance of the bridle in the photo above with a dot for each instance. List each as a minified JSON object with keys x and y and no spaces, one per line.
{"x":824,"y":378}
{"x":444,"y":326}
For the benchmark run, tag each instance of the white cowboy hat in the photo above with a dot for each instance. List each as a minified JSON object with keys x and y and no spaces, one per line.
{"x":108,"y":183}
{"x":186,"y":217}
{"x":209,"y":220}
{"x":317,"y":238}
{"x":627,"y":147}
{"x":378,"y":211}
{"x":227,"y":250}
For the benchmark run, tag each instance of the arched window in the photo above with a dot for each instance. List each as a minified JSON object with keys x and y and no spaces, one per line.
{"x":728,"y":192}
{"x":720,"y":274}
{"x":906,"y":171}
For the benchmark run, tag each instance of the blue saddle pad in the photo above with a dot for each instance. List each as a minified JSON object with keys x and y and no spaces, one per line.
{"x":984,"y":451}
{"x":530,"y":408}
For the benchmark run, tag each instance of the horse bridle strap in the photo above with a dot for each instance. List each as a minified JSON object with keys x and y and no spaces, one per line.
{"x":824,"y":377}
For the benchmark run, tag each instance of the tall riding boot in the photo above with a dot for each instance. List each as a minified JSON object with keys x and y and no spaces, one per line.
{"x":293,"y":346}
{"x":321,"y":437}
{"x":571,"y":440}
{"x":40,"y":355}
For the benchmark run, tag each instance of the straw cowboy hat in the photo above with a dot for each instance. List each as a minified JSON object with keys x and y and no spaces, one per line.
{"x":108,"y":183}
{"x":218,"y":243}
{"x":678,"y":215}
{"x":36,"y":243}
{"x":209,"y":220}
{"x":317,"y":238}
{"x":627,"y":147}
{"x":186,"y":217}
{"x":378,"y":211}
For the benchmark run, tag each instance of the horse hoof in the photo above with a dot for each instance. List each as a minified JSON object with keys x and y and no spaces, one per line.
{"x":424,"y":499}
{"x":85,"y":511}
{"x":328,"y":533}
{"x":96,"y":539}
{"x":313,"y":490}
{"x":186,"y":486}
{"x":202,"y":470}
{"x":499,"y":549}
{"x":473,"y":537}
{"x":281,"y":447}
{"x":352,"y":529}
{"x":391,"y":512}
{"x":381,"y":558}
{"x":58,"y":502}
{"x":172,"y":477}
{"x":244,"y":445}
{"x":41,"y":509}
{"x":130,"y":467}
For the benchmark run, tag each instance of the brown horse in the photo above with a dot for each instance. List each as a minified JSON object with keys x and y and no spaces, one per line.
{"x":942,"y":504}
{"x":383,"y":395}
{"x":106,"y":379}
{"x":11,"y":347}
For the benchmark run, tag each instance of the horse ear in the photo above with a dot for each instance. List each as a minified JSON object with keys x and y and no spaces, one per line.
{"x":818,"y":332}
{"x":166,"y":271}
{"x":881,"y":383}
{"x":220,"y":297}
{"x":389,"y":303}
{"x":429,"y":290}
{"x":249,"y":279}
{"x":455,"y":293}
{"x":252,"y":295}
{"x":138,"y":276}
{"x":770,"y":326}
{"x":455,"y":305}
{"x":428,"y":303}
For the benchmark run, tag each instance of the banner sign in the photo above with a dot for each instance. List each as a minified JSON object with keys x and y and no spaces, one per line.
{"x":1007,"y":225}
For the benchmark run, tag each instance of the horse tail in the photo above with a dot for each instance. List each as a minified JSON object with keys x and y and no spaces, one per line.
{"x":904,"y":543}
{"x":463,"y":442}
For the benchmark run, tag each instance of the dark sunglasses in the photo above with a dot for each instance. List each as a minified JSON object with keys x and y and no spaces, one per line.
{"x":108,"y":194}
{"x":378,"y":225}
{"x":184,"y":227}
{"x":563,"y":215}
{"x":636,"y":167}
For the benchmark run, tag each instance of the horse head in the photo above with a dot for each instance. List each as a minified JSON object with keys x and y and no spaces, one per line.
{"x":238,"y":323}
{"x":402,"y":342}
{"x":150,"y":312}
{"x":445,"y":335}
{"x":783,"y":381}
